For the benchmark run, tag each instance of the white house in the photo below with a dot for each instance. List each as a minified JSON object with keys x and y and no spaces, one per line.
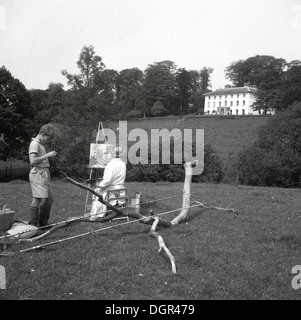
{"x":236,"y":101}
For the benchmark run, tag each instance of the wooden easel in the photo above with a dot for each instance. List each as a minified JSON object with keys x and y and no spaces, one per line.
{"x":92,"y":169}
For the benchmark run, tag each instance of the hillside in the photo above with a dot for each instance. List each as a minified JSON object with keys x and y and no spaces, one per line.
{"x":227,"y":134}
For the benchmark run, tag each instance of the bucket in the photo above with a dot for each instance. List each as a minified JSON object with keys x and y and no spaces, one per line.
{"x":6,"y":220}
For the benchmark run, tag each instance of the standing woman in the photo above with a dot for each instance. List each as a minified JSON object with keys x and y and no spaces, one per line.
{"x":39,"y":177}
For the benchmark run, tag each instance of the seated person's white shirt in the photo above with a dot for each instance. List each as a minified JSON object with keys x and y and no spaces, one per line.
{"x":113,"y":179}
{"x":114,"y":175}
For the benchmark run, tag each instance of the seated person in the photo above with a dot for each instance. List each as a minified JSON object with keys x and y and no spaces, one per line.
{"x":113,"y":179}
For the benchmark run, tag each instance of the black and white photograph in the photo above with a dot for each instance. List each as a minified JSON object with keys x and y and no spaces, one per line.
{"x":150,"y":153}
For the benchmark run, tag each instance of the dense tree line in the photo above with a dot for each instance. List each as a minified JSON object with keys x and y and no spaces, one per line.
{"x":278,"y":81}
{"x":97,"y":93}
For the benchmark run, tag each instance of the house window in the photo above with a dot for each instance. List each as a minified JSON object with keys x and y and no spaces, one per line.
{"x":243,"y":111}
{"x":208,"y":104}
{"x":237,"y":103}
{"x":220,"y":97}
{"x":213,"y":104}
{"x":236,"y":112}
{"x":209,"y":97}
{"x":220,"y":104}
{"x":238,"y":95}
{"x":214,"y":97}
{"x":231,"y":95}
{"x":225,"y":103}
{"x":243,"y":102}
{"x":244,"y":94}
{"x":231,"y":103}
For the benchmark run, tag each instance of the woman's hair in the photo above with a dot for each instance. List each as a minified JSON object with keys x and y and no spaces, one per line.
{"x":47,"y":130}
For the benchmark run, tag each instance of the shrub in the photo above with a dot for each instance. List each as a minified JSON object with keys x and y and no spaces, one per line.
{"x":275,"y":158}
{"x":135,"y":113}
{"x":213,"y":169}
{"x":158,"y":109}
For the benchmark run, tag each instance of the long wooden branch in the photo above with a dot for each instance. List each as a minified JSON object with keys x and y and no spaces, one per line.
{"x":49,"y":232}
{"x":120,"y":212}
{"x":149,"y":220}
{"x":116,"y":212}
{"x":64,"y":224}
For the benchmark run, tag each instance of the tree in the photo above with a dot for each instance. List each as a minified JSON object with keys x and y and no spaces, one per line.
{"x":256,"y":71}
{"x":188,"y":90}
{"x":236,"y":73}
{"x":47,"y":103}
{"x":292,"y":84}
{"x":90,"y":66}
{"x":184,"y":85}
{"x":159,"y":83}
{"x":268,"y":100}
{"x":128,"y":83}
{"x":205,"y":76}
{"x":264,"y":72}
{"x":16,"y":116}
{"x":106,"y":81}
{"x":275,"y":158}
{"x":79,"y":119}
{"x":200,"y":85}
{"x":158,"y":109}
{"x":140,"y":102}
{"x":85,"y":105}
{"x":280,"y":92}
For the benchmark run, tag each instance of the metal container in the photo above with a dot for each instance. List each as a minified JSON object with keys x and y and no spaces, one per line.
{"x":6,"y":220}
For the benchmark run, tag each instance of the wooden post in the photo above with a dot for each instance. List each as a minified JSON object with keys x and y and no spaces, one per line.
{"x":91,"y":169}
{"x":186,"y":194}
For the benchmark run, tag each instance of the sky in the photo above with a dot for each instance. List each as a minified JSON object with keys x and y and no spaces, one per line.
{"x":39,"y":38}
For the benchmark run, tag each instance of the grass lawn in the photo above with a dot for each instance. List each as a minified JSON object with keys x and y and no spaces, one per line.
{"x":218,"y":255}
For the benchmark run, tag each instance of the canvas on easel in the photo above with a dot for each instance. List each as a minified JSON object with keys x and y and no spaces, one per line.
{"x":100,"y":155}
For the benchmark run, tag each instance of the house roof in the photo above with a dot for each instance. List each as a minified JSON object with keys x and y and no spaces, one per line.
{"x":232,"y":91}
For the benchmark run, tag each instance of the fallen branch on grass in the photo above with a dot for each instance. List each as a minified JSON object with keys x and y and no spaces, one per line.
{"x":162,"y":245}
{"x":117,"y":212}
